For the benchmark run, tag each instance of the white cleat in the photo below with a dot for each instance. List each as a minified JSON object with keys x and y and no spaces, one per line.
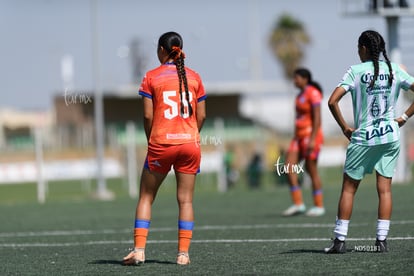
{"x":294,"y":210}
{"x":315,"y":212}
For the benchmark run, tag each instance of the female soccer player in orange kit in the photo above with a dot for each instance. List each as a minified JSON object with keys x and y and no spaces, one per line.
{"x":306,"y":143}
{"x":174,"y":112}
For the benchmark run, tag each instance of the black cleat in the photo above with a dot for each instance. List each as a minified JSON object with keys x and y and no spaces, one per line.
{"x":381,"y":246}
{"x":336,"y":247}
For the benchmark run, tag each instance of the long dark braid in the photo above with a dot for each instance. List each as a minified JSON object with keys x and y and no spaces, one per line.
{"x":387,"y":60}
{"x":173,"y":44}
{"x":178,"y":56}
{"x":376,"y":45}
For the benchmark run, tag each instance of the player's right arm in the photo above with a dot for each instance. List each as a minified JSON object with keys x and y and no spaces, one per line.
{"x":148,"y":116}
{"x":333,"y":104}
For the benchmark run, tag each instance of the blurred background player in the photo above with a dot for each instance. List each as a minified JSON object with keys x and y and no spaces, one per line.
{"x":255,"y":171}
{"x":306,"y":144}
{"x":174,"y":112}
{"x":374,"y":140}
{"x":232,"y":175}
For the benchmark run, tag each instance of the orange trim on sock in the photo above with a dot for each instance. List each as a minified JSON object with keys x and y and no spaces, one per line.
{"x":297,"y":196}
{"x":140,"y":237}
{"x":318,"y":200}
{"x":184,"y":240}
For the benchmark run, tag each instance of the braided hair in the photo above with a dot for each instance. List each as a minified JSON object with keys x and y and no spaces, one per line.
{"x":375,"y":44}
{"x":172,"y":42}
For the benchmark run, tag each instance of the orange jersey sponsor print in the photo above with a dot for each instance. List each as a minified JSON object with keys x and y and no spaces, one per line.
{"x":305,"y":102}
{"x":169,"y":126}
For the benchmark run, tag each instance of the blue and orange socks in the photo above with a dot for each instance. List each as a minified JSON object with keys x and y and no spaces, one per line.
{"x":383,"y":226}
{"x":141,"y":233}
{"x":318,"y":198}
{"x":296,"y":194}
{"x":185,"y":233}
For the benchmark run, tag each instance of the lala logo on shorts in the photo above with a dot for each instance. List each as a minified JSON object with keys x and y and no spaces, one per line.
{"x":378,"y":132}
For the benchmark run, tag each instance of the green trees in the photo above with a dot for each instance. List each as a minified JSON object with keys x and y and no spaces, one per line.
{"x":287,"y":40}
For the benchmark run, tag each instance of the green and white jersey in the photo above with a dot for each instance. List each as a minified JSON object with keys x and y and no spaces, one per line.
{"x":374,"y":108}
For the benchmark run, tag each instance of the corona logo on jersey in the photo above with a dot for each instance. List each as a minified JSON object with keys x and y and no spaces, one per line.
{"x":367,"y":78}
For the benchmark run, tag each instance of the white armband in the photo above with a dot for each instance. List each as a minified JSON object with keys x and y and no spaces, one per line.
{"x":404,"y":117}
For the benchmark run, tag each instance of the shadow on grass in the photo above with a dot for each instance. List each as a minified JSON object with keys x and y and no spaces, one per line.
{"x":278,"y":214}
{"x":320,"y":251}
{"x":117,"y":262}
{"x":299,"y":251}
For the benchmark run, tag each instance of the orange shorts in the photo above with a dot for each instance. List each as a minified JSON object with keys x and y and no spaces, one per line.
{"x":300,"y":144}
{"x":184,"y":158}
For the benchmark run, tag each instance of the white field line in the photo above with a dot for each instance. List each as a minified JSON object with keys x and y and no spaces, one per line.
{"x":206,"y":227}
{"x":196,"y":228}
{"x":130,"y":242}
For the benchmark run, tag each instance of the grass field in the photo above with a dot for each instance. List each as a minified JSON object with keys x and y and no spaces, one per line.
{"x":239,"y":232}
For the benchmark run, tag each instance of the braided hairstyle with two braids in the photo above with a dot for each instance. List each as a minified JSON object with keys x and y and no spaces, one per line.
{"x":375,"y":45}
{"x":172,"y":42}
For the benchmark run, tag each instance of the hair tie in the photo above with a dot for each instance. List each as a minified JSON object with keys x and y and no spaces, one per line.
{"x":178,"y":52}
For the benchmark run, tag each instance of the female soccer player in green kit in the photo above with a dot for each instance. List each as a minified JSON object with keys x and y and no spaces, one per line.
{"x":374,"y":85}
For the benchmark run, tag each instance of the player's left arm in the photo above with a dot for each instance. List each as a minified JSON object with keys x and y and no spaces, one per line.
{"x":201,"y":104}
{"x":201,"y":114}
{"x":316,"y":124}
{"x":408,"y":113}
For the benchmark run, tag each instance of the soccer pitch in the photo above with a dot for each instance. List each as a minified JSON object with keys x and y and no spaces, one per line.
{"x":238,"y":232}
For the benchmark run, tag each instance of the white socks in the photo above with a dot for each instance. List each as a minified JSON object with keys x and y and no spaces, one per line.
{"x":383,"y":226}
{"x":341,"y":229}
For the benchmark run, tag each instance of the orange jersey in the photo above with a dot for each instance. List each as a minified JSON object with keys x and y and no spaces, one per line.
{"x":305,"y":102}
{"x":168,"y":126}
